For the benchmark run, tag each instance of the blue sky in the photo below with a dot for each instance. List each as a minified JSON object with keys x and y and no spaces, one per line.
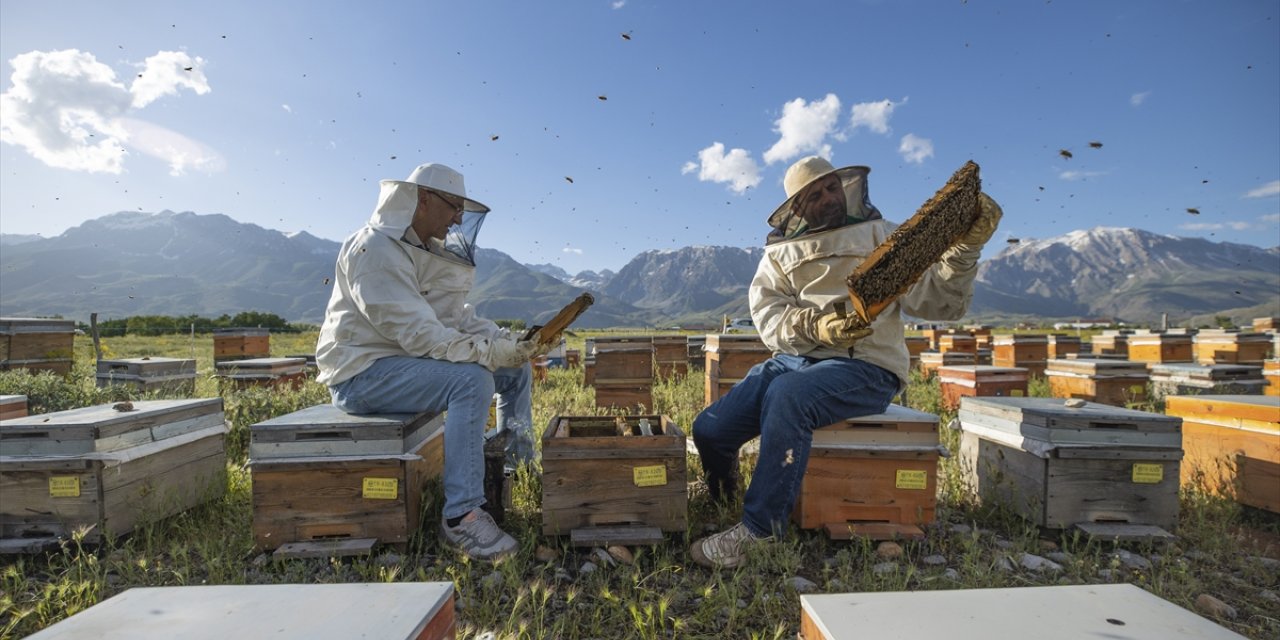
{"x":599,"y":129}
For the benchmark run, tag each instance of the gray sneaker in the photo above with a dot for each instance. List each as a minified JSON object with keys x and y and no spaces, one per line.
{"x":479,"y":536}
{"x":727,"y":549}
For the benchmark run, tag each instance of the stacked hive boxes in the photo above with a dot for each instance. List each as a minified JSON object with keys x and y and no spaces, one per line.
{"x":623,"y":376}
{"x":1113,"y":382}
{"x":106,"y":468}
{"x":1060,"y":464}
{"x":1231,"y":347}
{"x":930,"y":361}
{"x":37,"y":344}
{"x":875,"y":476}
{"x":980,"y":380}
{"x":1111,"y":342}
{"x":670,"y":356}
{"x":241,"y":344}
{"x":1155,"y":347}
{"x":1232,"y":444}
{"x":1060,"y":346}
{"x":149,"y":374}
{"x":265,"y":372}
{"x":1027,"y":351}
{"x":1187,"y":378}
{"x":729,"y":358}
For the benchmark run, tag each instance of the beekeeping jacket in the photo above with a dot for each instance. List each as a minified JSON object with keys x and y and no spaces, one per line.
{"x":395,"y":295}
{"x":807,"y":269}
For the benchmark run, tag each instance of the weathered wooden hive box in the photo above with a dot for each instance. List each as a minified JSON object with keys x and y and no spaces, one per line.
{"x":670,"y":356}
{"x":106,"y":471}
{"x":697,"y":354}
{"x":37,"y":344}
{"x":1188,"y":378}
{"x":1060,"y":346}
{"x":1160,"y":348}
{"x":241,"y":344}
{"x":980,"y":380}
{"x":613,"y":479}
{"x":981,"y":335}
{"x":1108,"y":471}
{"x":915,"y":346}
{"x":1068,"y":612}
{"x":321,"y":475}
{"x":1271,"y":373}
{"x":932,"y":336}
{"x":1231,"y":347}
{"x":931,"y":360}
{"x":1113,"y":382}
{"x":1265,"y":324}
{"x":1028,"y":351}
{"x":729,"y":358}
{"x":572,"y":358}
{"x":1112,"y":342}
{"x":309,"y":359}
{"x":149,"y":374}
{"x":957,"y":342}
{"x":875,"y":476}
{"x":1232,"y":445}
{"x":623,"y":375}
{"x":264,"y":372}
{"x":405,"y":611}
{"x":13,"y":406}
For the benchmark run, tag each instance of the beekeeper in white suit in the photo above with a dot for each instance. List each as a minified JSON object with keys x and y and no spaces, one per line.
{"x":399,"y":337}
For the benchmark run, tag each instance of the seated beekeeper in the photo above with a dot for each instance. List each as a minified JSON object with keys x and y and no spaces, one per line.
{"x":399,"y":337}
{"x":826,"y":365}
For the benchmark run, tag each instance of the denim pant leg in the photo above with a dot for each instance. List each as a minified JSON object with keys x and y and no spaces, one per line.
{"x":399,"y":384}
{"x":515,"y":411}
{"x":721,"y":429}
{"x":820,"y":393}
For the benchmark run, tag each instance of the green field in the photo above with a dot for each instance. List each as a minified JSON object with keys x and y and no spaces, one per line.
{"x":544,"y":592}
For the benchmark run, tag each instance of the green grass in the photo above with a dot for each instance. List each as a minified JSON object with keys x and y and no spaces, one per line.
{"x":662,"y":594}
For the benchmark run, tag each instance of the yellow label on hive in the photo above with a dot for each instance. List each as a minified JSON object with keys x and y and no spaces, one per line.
{"x":1136,"y":389}
{"x":1016,"y":393}
{"x":654,"y":476}
{"x":911,"y":479}
{"x":379,"y":488}
{"x":64,"y":486}
{"x":1147,"y":473}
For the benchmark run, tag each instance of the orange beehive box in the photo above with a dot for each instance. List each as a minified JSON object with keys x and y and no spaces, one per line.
{"x":1106,"y":381}
{"x":1232,"y":445}
{"x":1271,"y":373}
{"x":1160,"y":348}
{"x":1061,"y":346}
{"x":241,"y":344}
{"x":931,"y":360}
{"x":1027,"y":350}
{"x":1111,"y":342}
{"x":980,"y":380}
{"x":729,"y":358}
{"x":1231,"y":347}
{"x":13,"y":406}
{"x":1266,"y":324}
{"x":957,"y":342}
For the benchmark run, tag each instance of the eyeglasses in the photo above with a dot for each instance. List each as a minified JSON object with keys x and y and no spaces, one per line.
{"x":457,"y":208}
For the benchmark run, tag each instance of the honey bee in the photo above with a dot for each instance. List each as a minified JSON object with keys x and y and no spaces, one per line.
{"x":569,"y":179}
{"x":602,"y":97}
{"x":1013,"y":241}
{"x":1193,"y":211}
{"x":1064,"y":153}
{"x":492,"y":138}
{"x":1095,"y":145}
{"x":626,"y":36}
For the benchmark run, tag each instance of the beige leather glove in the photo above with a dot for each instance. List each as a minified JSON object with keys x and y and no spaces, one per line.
{"x":539,"y":349}
{"x":505,"y":352}
{"x":985,"y":226}
{"x":833,"y":328}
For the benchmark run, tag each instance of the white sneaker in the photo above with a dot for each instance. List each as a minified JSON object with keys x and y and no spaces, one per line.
{"x":478,"y":536}
{"x":726,"y":549}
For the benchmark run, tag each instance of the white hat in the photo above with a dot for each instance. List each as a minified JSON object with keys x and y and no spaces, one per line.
{"x":438,"y":177}
{"x":804,"y":171}
{"x":853,"y":180}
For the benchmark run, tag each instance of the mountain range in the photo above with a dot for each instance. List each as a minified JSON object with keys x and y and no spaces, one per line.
{"x":133,"y":263}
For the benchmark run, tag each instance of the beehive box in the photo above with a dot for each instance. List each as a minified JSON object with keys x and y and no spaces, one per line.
{"x":873,"y":476}
{"x":1160,"y":348}
{"x":241,"y":344}
{"x":1108,"y":381}
{"x":981,"y":335}
{"x":1265,"y":324}
{"x":1231,"y":347}
{"x":605,"y":480}
{"x":105,"y":471}
{"x":1271,"y":373}
{"x":729,"y":358}
{"x":637,"y":396}
{"x":1060,"y":346}
{"x":264,"y":372}
{"x":1028,"y":351}
{"x":980,"y":380}
{"x":1111,"y":342}
{"x":670,"y":356}
{"x":572,"y":358}
{"x":1105,"y":470}
{"x":405,"y":611}
{"x":1188,"y":378}
{"x":931,"y":360}
{"x":697,"y":352}
{"x":149,"y":374}
{"x":13,"y":406}
{"x":1067,"y":612}
{"x":589,"y":371}
{"x":623,"y":371}
{"x":957,"y":342}
{"x":1232,"y":446}
{"x":325,"y":477}
{"x":37,"y":344}
{"x":310,"y":364}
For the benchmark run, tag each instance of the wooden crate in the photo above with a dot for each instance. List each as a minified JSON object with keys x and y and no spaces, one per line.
{"x":624,"y":358}
{"x":981,"y":335}
{"x":916,"y":345}
{"x":13,"y":406}
{"x":1111,"y":342}
{"x":324,"y":476}
{"x":980,"y":380}
{"x":931,"y":360}
{"x":957,"y":342}
{"x":1160,"y":348}
{"x":241,"y":344}
{"x":729,"y":358}
{"x":604,"y":480}
{"x":1060,"y":346}
{"x":1188,"y":378}
{"x":697,"y":352}
{"x":262,"y":372}
{"x":1271,"y":373}
{"x":1027,"y":351}
{"x":1231,"y":347}
{"x":149,"y":374}
{"x":1105,"y":470}
{"x":405,"y":611}
{"x":636,"y":395}
{"x":670,"y":356}
{"x":589,"y":371}
{"x":105,"y":472}
{"x":1113,"y":382}
{"x":873,"y":476}
{"x":1232,"y":445}
{"x":37,"y":344}
{"x":572,"y":358}
{"x":1065,"y":612}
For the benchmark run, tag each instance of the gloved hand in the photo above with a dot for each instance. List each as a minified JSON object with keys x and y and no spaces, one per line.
{"x":541,"y":349}
{"x":505,"y":352}
{"x":985,"y":226}
{"x":833,"y":328}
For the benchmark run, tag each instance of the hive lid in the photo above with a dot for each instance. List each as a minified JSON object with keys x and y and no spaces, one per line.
{"x":104,"y":428}
{"x":325,"y":430}
{"x":1050,"y":420}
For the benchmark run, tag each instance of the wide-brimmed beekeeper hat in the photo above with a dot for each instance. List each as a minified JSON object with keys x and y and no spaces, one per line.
{"x":446,"y":180}
{"x":786,"y":222}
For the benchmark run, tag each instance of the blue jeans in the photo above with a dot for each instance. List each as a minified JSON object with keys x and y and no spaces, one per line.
{"x":401,"y":384}
{"x":782,"y":400}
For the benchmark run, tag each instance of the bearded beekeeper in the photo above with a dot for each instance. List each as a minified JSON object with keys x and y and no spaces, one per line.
{"x":399,"y":337}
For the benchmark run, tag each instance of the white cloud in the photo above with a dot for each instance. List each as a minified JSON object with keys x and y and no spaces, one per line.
{"x":1139,"y":98}
{"x":1265,"y":191}
{"x":1271,"y":217}
{"x":915,"y":149}
{"x":874,"y":115}
{"x":1072,"y":176}
{"x":179,"y":151}
{"x":618,"y":4}
{"x":576,"y":252}
{"x":737,"y":168}
{"x":804,"y":126}
{"x":67,"y":109}
{"x":1239,"y":226}
{"x":1200,"y":226}
{"x":287,"y":108}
